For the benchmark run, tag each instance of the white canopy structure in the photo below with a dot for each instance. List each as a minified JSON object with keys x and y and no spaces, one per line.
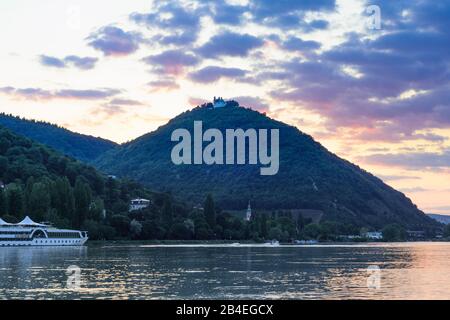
{"x":28,"y":222}
{"x":4,"y":223}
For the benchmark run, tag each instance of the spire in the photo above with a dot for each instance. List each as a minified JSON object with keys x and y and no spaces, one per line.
{"x":28,"y":222}
{"x":248,"y":216}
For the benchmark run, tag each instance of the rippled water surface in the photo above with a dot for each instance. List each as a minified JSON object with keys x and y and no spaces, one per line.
{"x":136,"y":271}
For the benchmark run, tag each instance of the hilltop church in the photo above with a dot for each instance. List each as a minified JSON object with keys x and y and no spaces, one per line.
{"x":219,"y":102}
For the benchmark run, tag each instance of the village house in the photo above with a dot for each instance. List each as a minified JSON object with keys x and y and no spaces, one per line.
{"x":138,"y":204}
{"x":374,"y":235}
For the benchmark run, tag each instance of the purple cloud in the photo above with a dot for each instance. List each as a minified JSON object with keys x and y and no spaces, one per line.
{"x":414,"y":189}
{"x":168,"y":15}
{"x":254,"y":103}
{"x":224,"y":13}
{"x":297,"y":44}
{"x":176,"y":38}
{"x":172,"y":61}
{"x":89,"y":94}
{"x":113,"y":41}
{"x":287,"y":14}
{"x":194,"y":101}
{"x":124,"y":102}
{"x":27,"y":93}
{"x":182,"y":23}
{"x":319,"y":24}
{"x":83,"y":63}
{"x":51,"y":62}
{"x":397,"y":177}
{"x":229,"y":44}
{"x":41,"y":94}
{"x":412,"y":160}
{"x":165,"y":84}
{"x":213,"y":73}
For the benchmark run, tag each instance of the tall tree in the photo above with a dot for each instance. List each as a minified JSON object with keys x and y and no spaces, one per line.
{"x":112,"y":192}
{"x":263,"y":222}
{"x":66,"y":200}
{"x":15,"y":198}
{"x":167,"y":212}
{"x":82,"y":195}
{"x":27,"y":192}
{"x":3,"y":166}
{"x":210,"y":211}
{"x":39,"y":201}
{"x":3,"y":203}
{"x":96,"y":209}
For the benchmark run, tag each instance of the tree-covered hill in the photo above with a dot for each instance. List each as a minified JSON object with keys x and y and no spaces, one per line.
{"x":309,"y":177}
{"x":48,"y":186}
{"x":37,"y":181}
{"x":79,"y":146}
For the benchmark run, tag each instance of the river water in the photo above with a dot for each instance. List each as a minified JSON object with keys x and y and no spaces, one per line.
{"x":138,"y":271}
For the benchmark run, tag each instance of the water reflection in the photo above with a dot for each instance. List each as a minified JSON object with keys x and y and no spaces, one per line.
{"x":132,"y":271}
{"x":25,"y":271}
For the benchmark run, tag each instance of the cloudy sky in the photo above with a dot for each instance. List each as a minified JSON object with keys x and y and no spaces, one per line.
{"x":376,"y":94}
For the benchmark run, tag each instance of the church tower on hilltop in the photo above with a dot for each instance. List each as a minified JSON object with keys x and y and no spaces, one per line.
{"x":248,"y":215}
{"x":219,"y":103}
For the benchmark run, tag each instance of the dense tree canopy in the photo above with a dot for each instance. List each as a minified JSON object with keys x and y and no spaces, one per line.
{"x":309,"y":177}
{"x":51,"y":187}
{"x":48,"y":186}
{"x":82,"y":147}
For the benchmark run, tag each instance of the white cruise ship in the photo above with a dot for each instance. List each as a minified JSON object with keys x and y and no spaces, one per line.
{"x":29,"y":233}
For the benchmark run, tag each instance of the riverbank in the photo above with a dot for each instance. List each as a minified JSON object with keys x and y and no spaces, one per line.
{"x":246,"y":242}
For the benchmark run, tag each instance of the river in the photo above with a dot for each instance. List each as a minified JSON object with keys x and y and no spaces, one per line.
{"x":137,"y":271}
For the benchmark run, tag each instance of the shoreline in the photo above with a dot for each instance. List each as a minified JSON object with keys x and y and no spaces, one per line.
{"x":249,"y":243}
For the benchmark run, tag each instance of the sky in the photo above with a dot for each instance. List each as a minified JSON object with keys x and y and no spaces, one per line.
{"x":374,"y":91}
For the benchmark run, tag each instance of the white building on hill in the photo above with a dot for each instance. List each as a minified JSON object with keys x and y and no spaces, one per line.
{"x":138,"y":204}
{"x":374,"y":235}
{"x":219,"y":103}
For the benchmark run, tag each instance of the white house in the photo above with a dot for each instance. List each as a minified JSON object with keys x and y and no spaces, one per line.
{"x":374,"y":235}
{"x":138,"y":204}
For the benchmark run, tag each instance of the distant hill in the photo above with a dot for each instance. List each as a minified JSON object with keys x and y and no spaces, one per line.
{"x":309,"y":177}
{"x":440,"y":218}
{"x":82,"y":147}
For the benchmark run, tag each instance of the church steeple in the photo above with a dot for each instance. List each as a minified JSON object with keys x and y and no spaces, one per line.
{"x":249,"y":212}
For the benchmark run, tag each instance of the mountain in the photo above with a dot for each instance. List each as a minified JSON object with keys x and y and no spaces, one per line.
{"x":82,"y":147}
{"x":442,"y":218}
{"x":309,"y":176}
